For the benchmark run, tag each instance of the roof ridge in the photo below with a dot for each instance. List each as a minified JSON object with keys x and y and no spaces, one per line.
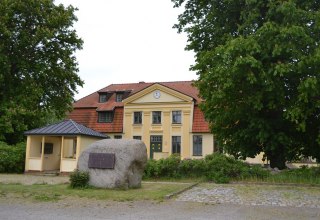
{"x":75,"y":124}
{"x":177,"y":81}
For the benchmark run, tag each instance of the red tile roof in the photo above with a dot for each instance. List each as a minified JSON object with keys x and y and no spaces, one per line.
{"x":184,"y":87}
{"x":199,"y":123}
{"x":89,"y":118}
{"x":85,"y":109}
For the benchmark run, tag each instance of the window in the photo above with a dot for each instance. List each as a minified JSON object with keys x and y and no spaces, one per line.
{"x":137,"y":137}
{"x":105,"y":116}
{"x":118,"y":137}
{"x":137,"y":118}
{"x":156,"y":117}
{"x":176,"y":144}
{"x":176,"y":117}
{"x":119,"y":97}
{"x":48,"y":148}
{"x":197,"y":145}
{"x":74,"y":146}
{"x":102,"y":97}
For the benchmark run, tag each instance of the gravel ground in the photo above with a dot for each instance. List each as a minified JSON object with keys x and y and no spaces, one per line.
{"x":254,"y":195}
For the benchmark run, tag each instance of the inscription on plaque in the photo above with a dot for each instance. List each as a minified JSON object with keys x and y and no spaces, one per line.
{"x":101,"y":160}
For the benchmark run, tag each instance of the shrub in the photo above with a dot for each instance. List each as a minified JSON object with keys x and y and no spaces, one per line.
{"x":151,"y":171}
{"x":192,"y":168}
{"x":169,"y":167}
{"x":221,"y":168}
{"x":12,"y":157}
{"x":163,"y":168}
{"x":256,"y":171}
{"x":215,"y":167}
{"x":79,"y":179}
{"x":303,"y":172}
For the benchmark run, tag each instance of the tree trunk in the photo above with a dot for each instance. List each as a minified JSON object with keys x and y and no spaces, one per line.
{"x":277,"y":159}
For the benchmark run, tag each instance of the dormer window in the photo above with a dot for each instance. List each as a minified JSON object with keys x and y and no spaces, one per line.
{"x":103,"y":98}
{"x":119,"y":97}
{"x":105,"y":117}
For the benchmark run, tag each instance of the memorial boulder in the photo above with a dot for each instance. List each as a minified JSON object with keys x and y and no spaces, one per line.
{"x":114,"y":163}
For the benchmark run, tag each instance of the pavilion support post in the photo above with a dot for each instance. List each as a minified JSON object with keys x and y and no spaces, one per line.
{"x":26,"y":168}
{"x":61,"y":154}
{"x":42,"y":152}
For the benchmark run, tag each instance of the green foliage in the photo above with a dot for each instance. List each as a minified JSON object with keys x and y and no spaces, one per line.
{"x":215,"y":167}
{"x":79,"y":179}
{"x":258,"y":64}
{"x":302,"y":175}
{"x":12,"y":158}
{"x":303,"y":172}
{"x":38,"y":68}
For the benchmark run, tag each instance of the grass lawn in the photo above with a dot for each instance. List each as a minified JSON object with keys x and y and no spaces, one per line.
{"x":44,"y":192}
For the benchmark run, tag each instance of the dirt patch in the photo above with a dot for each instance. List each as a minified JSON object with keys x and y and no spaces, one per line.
{"x":32,"y":179}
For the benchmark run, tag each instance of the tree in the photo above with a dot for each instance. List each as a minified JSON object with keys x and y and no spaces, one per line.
{"x":38,"y":68}
{"x":259,"y":73}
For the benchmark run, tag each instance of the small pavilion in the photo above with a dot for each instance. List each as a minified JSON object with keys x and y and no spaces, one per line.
{"x":57,"y":147}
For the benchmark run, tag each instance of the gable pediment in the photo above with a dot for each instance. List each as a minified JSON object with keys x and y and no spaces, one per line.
{"x":158,"y":94}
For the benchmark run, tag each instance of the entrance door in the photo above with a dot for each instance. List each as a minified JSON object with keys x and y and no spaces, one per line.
{"x":155,"y":144}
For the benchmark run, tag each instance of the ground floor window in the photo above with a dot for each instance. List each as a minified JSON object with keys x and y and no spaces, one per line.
{"x":176,"y":144}
{"x":137,"y":137}
{"x":48,"y":148}
{"x":118,"y":137}
{"x":197,"y":145}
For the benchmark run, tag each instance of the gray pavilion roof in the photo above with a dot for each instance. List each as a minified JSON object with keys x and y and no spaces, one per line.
{"x":66,"y":127}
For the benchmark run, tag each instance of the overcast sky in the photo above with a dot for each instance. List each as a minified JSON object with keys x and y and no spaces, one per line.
{"x":129,"y":41}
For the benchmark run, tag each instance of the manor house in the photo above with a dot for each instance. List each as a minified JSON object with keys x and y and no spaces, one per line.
{"x":164,"y":115}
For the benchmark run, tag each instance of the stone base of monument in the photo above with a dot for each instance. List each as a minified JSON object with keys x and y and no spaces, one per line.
{"x":114,"y":163}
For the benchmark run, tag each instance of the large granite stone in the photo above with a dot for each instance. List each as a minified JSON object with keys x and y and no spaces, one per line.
{"x":130,"y":160}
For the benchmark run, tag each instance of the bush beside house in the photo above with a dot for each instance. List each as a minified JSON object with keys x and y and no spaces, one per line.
{"x":214,"y":167}
{"x":12,"y":157}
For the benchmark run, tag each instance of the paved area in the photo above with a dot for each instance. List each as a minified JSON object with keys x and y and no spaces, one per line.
{"x":254,"y":195}
{"x":168,"y":210}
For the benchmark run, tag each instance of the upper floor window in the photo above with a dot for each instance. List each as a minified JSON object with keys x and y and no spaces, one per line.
{"x":156,"y":117}
{"x":197,"y":145}
{"x":105,"y":116}
{"x":176,"y":117}
{"x":119,"y":97}
{"x":137,"y":118}
{"x":102,"y":97}
{"x":176,"y":144}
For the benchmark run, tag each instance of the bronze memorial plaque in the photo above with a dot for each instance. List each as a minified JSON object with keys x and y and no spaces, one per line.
{"x":101,"y":160}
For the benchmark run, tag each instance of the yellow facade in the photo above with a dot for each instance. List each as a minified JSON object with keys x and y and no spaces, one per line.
{"x":158,"y":98}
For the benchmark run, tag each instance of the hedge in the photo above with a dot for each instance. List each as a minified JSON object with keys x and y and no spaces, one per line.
{"x":214,"y":167}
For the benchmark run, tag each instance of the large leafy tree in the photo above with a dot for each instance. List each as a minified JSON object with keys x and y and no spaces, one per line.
{"x":259,"y":73}
{"x":38,"y":68}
